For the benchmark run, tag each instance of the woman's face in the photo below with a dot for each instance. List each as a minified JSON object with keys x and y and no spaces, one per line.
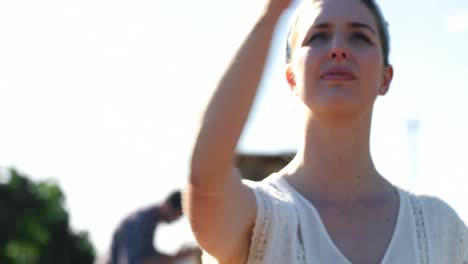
{"x":337,"y":63}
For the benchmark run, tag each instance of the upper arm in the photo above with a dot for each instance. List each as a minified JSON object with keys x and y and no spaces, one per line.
{"x":222,"y":221}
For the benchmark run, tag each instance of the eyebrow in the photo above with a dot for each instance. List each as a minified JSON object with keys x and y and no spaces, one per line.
{"x":353,"y":25}
{"x":362,"y":25}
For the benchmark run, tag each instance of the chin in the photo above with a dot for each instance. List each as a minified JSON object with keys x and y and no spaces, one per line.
{"x":336,"y":109}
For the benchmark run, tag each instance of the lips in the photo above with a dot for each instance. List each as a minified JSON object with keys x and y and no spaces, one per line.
{"x":338,"y":74}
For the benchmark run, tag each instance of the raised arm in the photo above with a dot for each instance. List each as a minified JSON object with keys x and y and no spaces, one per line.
{"x":221,"y":209}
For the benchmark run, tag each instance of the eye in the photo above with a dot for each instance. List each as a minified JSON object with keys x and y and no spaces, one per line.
{"x":361,"y":37}
{"x":320,"y":36}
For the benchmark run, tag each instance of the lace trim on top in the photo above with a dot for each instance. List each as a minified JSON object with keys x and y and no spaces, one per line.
{"x":420,"y":230}
{"x":262,"y":225}
{"x":300,"y":253}
{"x":464,"y":246}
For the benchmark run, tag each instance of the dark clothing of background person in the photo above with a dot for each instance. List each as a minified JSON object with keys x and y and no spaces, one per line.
{"x":132,"y":242}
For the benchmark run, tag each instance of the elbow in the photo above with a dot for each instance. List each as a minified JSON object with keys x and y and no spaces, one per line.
{"x":204,"y":183}
{"x":194,"y":180}
{"x":201,"y":171}
{"x":197,"y":167}
{"x":196,"y":172}
{"x":208,"y":172}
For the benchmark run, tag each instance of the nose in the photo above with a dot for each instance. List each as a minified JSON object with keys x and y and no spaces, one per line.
{"x":338,"y":51}
{"x":338,"y":54}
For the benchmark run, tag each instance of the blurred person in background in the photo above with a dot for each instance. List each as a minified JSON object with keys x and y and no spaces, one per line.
{"x":132,"y":242}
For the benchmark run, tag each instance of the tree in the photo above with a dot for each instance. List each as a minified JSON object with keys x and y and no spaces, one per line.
{"x":35,"y":226}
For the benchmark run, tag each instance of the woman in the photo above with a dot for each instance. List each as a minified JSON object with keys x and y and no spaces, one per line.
{"x":330,"y":204}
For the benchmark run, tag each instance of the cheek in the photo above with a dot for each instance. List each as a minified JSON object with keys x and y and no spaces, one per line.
{"x":369,"y":59}
{"x":307,"y":73}
{"x":308,"y":64}
{"x":311,"y":57}
{"x":370,"y":64}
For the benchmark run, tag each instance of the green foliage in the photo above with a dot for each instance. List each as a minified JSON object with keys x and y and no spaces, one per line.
{"x":34,"y":226}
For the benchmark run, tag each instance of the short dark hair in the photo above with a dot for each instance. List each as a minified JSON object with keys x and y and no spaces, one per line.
{"x":175,"y":200}
{"x":382,"y":28}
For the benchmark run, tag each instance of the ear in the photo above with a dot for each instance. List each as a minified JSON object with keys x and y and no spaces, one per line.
{"x":290,"y":77}
{"x":387,"y":79}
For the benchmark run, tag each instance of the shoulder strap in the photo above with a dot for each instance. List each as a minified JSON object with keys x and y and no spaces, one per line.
{"x":420,"y":229}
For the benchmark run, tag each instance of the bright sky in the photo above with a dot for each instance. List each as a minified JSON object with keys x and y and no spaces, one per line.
{"x":104,"y":97}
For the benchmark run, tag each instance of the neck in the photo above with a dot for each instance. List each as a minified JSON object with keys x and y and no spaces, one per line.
{"x":335,"y":160}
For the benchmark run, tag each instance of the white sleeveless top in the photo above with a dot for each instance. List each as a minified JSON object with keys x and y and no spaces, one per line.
{"x":289,"y":230}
